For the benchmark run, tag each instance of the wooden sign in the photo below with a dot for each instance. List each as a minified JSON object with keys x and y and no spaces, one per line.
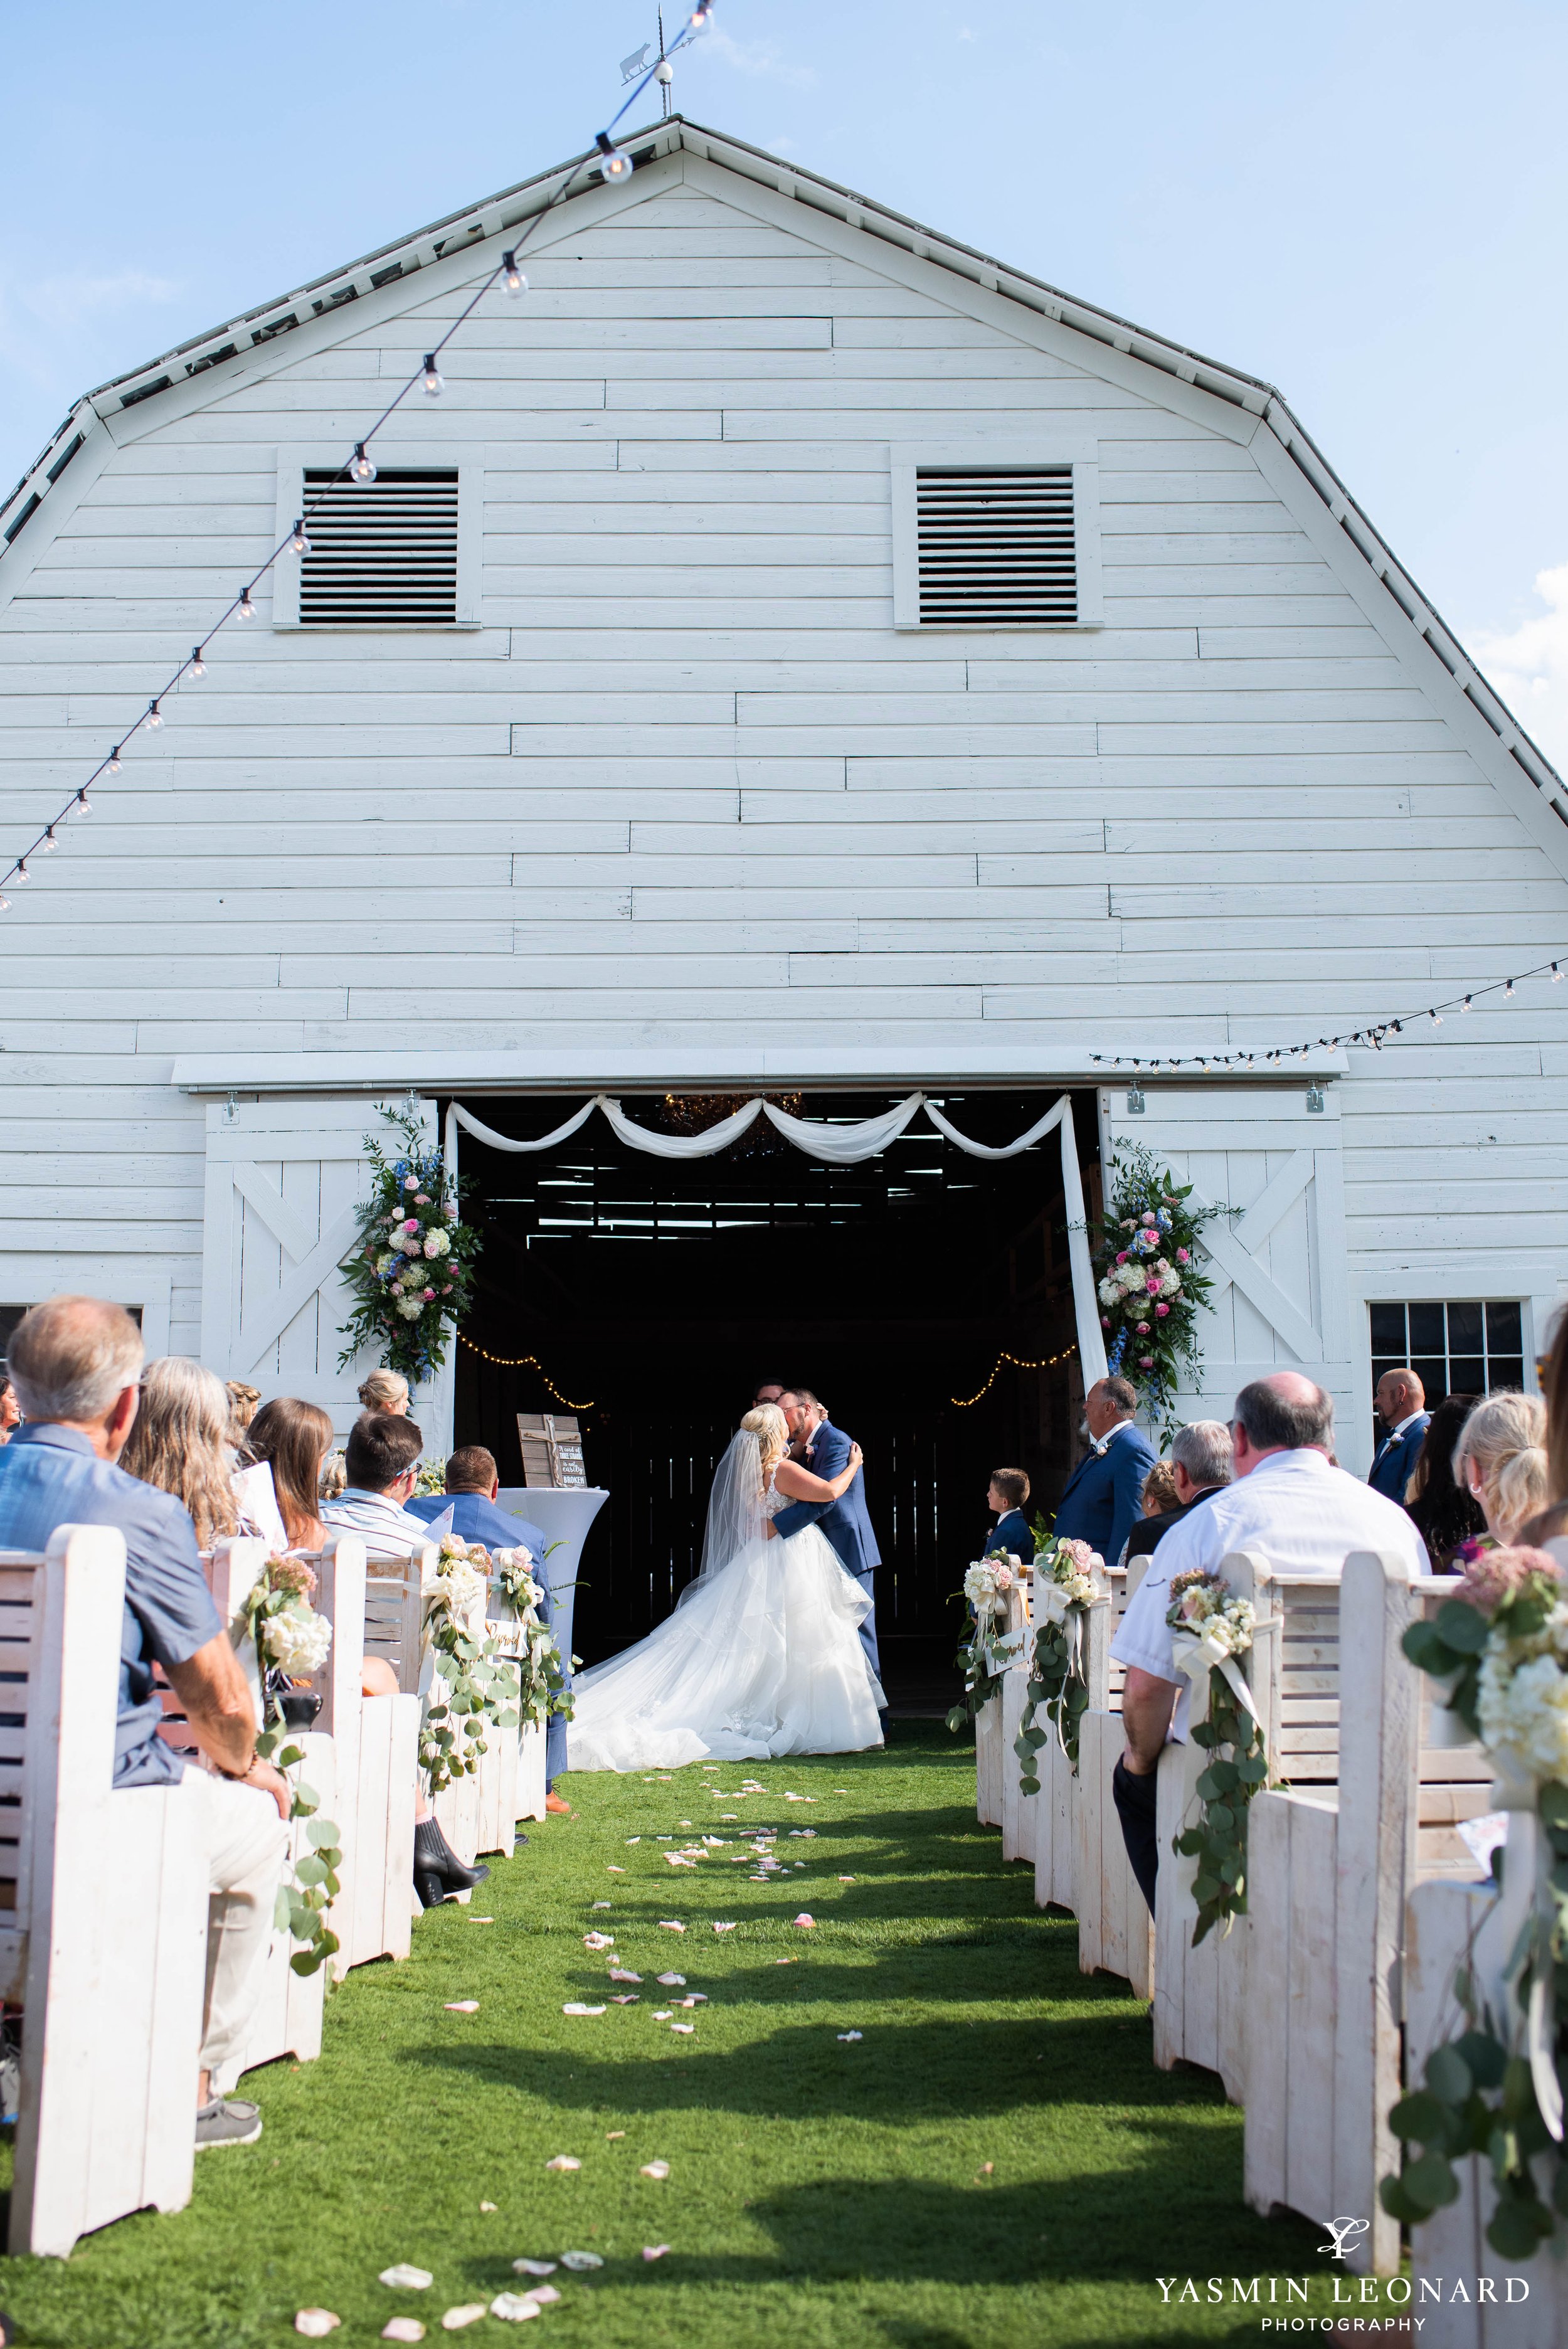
{"x":551,"y":1449}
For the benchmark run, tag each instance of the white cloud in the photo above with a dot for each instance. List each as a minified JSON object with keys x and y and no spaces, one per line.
{"x":762,"y":58}
{"x":1529,"y":665}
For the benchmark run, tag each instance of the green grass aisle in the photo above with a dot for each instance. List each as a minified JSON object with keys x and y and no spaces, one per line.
{"x":994,"y":2162}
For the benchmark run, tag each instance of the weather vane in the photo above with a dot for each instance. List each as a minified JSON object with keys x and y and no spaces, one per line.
{"x":632,"y":67}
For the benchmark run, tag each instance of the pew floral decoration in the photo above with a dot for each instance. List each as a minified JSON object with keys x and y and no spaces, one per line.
{"x":1213,"y":1628}
{"x":1498,"y":1651}
{"x":410,"y":1271}
{"x":1064,"y":1591}
{"x":543,"y":1689}
{"x":292,"y":1641}
{"x":983,"y":1657}
{"x":1148,"y":1279}
{"x":475,"y":1687}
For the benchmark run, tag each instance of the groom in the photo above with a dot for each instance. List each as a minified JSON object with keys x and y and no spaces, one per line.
{"x":825,"y":1450}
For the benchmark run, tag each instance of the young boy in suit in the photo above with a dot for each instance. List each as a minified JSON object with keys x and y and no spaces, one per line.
{"x":1009,"y":1489}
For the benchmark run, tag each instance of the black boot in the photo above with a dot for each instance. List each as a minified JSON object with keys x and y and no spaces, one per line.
{"x":437,"y":1870}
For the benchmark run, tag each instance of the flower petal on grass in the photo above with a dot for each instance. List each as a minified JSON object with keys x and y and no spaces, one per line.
{"x":803,"y":1920}
{"x":563,"y":2161}
{"x":655,"y":2169}
{"x":624,"y":1998}
{"x":624,"y":1973}
{"x":673,"y":1981}
{"x":462,"y":2006}
{"x":580,"y":2260}
{"x":612,"y":2134}
{"x":513,"y":2307}
{"x":685,"y":2029}
{"x":671,"y":1925}
{"x":604,"y":1904}
{"x":543,"y":2294}
{"x":654,"y":2250}
{"x":724,"y":1928}
{"x":403,"y":2328}
{"x":403,"y":2278}
{"x":481,"y":1921}
{"x":576,"y":2006}
{"x":614,"y":1871}
{"x":851,"y":2034}
{"x":598,"y":1941}
{"x":663,"y":2013}
{"x":846,"y":1879}
{"x":534,"y":2267}
{"x":316,"y":2323}
{"x":469,"y":2313}
{"x":488,"y":2206}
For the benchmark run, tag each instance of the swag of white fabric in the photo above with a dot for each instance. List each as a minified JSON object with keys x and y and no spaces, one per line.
{"x":835,"y":1145}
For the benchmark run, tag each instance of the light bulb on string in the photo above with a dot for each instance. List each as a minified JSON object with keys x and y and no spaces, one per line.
{"x":615,"y":164}
{"x":432,"y":379}
{"x":516,"y":282}
{"x":47,"y":845}
{"x":20,"y":878}
{"x":1508,"y":990}
{"x":701,"y":17}
{"x":198,"y":666}
{"x":1466,"y":1004}
{"x":113,"y":761}
{"x":246,"y":609}
{"x":154,"y":718}
{"x":299,"y":543}
{"x":81,"y":804}
{"x":5,"y":904}
{"x":361,"y":465}
{"x":1556,"y":974}
{"x":1436,"y":1018}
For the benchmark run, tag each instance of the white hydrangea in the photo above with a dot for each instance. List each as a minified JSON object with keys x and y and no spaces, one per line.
{"x":982,"y":1585}
{"x":464,"y":1586}
{"x":437,"y":1244}
{"x":410,"y":1308}
{"x":297,"y":1641}
{"x":1523,"y":1709}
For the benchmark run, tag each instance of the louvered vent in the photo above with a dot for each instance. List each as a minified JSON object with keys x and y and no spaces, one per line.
{"x":383,"y":553}
{"x":995,"y":549}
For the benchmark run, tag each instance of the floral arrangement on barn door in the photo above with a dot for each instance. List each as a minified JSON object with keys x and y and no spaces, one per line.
{"x":1498,"y":1651}
{"x":1148,"y":1283}
{"x":411,"y":1272}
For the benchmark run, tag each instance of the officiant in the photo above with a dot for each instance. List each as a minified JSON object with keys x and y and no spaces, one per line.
{"x":473,"y":1480}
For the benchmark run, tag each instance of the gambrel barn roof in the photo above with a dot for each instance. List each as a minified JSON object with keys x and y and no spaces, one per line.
{"x":514,"y":207}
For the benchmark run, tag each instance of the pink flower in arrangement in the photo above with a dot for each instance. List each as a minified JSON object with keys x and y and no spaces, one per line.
{"x":448,"y":1290}
{"x":1122,"y":1258}
{"x":1146,"y":1217}
{"x":1492,"y":1576}
{"x":1152,"y":1284}
{"x":1182,"y":1256}
{"x":1143,"y":1329}
{"x":411,"y":1222}
{"x":428,"y":1294}
{"x":410,"y":1182}
{"x":1160,"y":1312}
{"x":1146,"y":1362}
{"x":421,"y":1200}
{"x":1105,"y":1321}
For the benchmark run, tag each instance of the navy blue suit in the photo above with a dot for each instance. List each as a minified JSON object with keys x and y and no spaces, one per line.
{"x":1013,"y":1538}
{"x":1101,"y":1499}
{"x":1397,"y":1456}
{"x":847,"y":1523}
{"x":477,"y":1520}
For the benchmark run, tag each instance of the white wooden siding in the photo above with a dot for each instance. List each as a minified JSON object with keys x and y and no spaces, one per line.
{"x":684,"y":785}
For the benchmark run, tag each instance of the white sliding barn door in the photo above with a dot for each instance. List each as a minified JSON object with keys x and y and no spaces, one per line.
{"x":285,"y":1179}
{"x":1279,"y":1266}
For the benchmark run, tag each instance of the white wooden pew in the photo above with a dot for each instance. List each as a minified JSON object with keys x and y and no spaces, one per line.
{"x":1019,"y":1811}
{"x":1081,"y":1861}
{"x":1331,"y":1871}
{"x":103,"y":1913}
{"x":990,"y":1736}
{"x":478,"y":1812}
{"x":378,"y":1742}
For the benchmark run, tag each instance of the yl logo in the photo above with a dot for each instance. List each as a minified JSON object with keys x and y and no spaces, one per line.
{"x":1343,"y":2233}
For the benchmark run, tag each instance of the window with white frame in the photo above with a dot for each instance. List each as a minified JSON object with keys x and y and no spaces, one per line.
{"x":1471,"y":1347}
{"x":996,"y":539}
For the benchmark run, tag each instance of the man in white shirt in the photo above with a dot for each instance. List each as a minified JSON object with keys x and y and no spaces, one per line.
{"x":382,"y":1458}
{"x":1287,"y":1502}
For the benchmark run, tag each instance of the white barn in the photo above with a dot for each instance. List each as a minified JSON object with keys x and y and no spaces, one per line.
{"x":655,"y":746}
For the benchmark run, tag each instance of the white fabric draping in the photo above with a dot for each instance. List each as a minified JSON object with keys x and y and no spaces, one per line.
{"x":836,"y":1145}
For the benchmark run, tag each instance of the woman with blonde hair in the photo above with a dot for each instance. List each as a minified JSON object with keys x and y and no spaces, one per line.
{"x":180,"y":1443}
{"x":762,"y":1655}
{"x":385,"y":1391}
{"x":1500,"y":1458}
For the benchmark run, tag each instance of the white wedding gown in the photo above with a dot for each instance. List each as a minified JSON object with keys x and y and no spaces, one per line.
{"x":761,"y":1658}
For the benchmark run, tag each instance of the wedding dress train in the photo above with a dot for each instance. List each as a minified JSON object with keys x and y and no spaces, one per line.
{"x":762,"y":1657}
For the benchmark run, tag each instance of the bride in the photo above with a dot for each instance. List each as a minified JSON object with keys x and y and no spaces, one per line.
{"x":762,"y":1655}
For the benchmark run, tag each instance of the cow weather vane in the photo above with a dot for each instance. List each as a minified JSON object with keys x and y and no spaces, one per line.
{"x":663,"y":72}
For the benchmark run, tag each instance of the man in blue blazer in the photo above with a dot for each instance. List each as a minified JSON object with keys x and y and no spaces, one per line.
{"x":825,"y":1450}
{"x":1101,"y":1498}
{"x":1402,"y":1405}
{"x":472,"y":1482}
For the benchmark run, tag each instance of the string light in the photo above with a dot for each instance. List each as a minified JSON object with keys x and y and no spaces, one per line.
{"x":523,"y":1362}
{"x":616,"y":166}
{"x":965,"y":1402}
{"x":48,"y":844}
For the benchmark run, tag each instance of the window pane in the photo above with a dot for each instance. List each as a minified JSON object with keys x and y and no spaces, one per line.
{"x":1388,"y":1333}
{"x":1504,"y":1329}
{"x":1467,"y":1375}
{"x":1432,"y":1370}
{"x":1464,"y":1328}
{"x":1507,"y":1370}
{"x":1428,"y":1335}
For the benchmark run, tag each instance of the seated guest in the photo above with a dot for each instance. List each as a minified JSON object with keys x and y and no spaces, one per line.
{"x":1158,"y":1492}
{"x":1200,"y":1464}
{"x":473,"y":1480}
{"x":1286,"y":1501}
{"x":76,"y":1362}
{"x":1099,"y":1501}
{"x":1501,"y":1461}
{"x":385,"y":1391}
{"x":1400,"y":1404}
{"x":180,"y":1443}
{"x":294,"y":1439}
{"x":1443,"y":1515}
{"x":243,"y":1400}
{"x":10,"y":1410}
{"x":382,"y":1461}
{"x":1008,"y":1491}
{"x":1552,"y":1523}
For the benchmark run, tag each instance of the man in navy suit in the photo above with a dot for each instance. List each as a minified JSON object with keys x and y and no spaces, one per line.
{"x":1402,"y":1405}
{"x":472,"y":1482}
{"x":825,"y":1450}
{"x":1100,"y":1500}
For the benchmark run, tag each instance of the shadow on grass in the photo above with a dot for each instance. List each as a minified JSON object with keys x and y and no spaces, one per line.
{"x":923,"y":2071}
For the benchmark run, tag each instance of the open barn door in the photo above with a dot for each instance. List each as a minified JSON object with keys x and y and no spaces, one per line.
{"x":1278,"y":1264}
{"x":285,"y":1179}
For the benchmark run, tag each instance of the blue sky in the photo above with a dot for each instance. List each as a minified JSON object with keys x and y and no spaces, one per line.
{"x":1362,"y":202}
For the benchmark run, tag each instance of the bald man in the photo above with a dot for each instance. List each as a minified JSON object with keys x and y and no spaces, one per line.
{"x":1287,"y":1501}
{"x":1401,"y":1405}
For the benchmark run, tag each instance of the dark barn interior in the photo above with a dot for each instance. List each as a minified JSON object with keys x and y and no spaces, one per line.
{"x":656,"y":1295}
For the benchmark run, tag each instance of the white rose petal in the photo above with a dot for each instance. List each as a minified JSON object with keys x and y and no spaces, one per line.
{"x":576,"y":2006}
{"x":543,"y":2294}
{"x":851,"y":2034}
{"x":533,"y":2267}
{"x":403,"y":2278}
{"x":673,"y":1981}
{"x":563,"y":2161}
{"x":580,"y":2260}
{"x":669,"y":1925}
{"x":655,"y":2169}
{"x":316,"y":2323}
{"x":403,"y":2328}
{"x":654,"y":2250}
{"x":663,"y":2013}
{"x":686,"y":2029}
{"x":599,"y":1941}
{"x":462,"y":2006}
{"x":469,"y":2313}
{"x":724,"y":1929}
{"x":513,"y":2307}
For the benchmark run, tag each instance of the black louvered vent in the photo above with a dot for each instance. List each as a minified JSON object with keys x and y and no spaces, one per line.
{"x":996,"y":549}
{"x":383,"y":552}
